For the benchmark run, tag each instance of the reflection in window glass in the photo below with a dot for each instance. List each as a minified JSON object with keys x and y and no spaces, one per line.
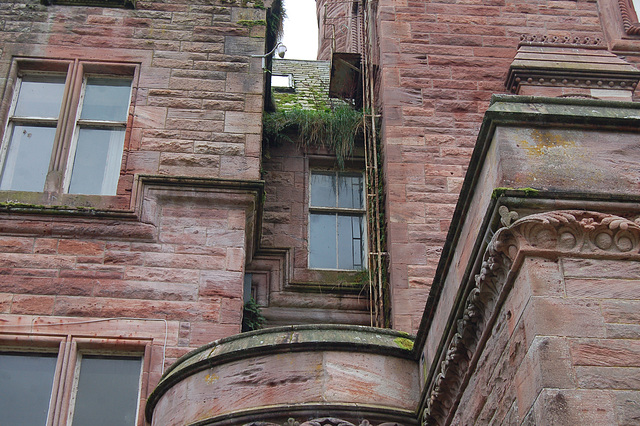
{"x":96,"y":166}
{"x":350,"y":192}
{"x":336,"y":221}
{"x":350,"y":242}
{"x":26,"y":381}
{"x":322,"y":241}
{"x":107,"y":391}
{"x":27,"y":162}
{"x":40,"y":97}
{"x":106,"y":99}
{"x":323,"y":190}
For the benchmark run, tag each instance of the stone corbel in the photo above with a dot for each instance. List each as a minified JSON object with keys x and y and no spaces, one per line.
{"x":555,"y":233}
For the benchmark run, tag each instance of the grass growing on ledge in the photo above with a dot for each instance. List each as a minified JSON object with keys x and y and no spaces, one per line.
{"x":252,"y":318}
{"x":337,"y":130}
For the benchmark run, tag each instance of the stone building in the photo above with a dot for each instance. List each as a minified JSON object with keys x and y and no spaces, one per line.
{"x":488,"y":215}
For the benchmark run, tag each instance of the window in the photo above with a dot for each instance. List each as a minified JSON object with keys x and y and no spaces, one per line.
{"x":63,"y":136}
{"x":282,"y":81}
{"x":97,"y":388}
{"x":26,"y":381}
{"x":336,"y":221}
{"x":106,"y":390}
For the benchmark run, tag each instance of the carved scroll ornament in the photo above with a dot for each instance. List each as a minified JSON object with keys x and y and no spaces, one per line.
{"x":629,"y":17}
{"x":560,"y":231}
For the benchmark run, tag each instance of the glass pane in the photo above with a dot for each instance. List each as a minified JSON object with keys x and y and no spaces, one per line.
{"x":107,"y":391}
{"x":323,"y":190}
{"x":25,"y":388}
{"x":106,"y":99}
{"x":350,"y":192}
{"x":96,"y":165}
{"x":350,"y":244}
{"x":27,"y":161}
{"x":280,"y":81}
{"x":322,"y":241}
{"x":40,"y":97}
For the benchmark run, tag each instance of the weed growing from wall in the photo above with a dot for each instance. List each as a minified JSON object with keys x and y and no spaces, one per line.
{"x":337,"y":130}
{"x":252,"y":318}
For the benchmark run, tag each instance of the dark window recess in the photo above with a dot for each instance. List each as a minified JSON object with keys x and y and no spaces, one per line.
{"x":128,"y":4}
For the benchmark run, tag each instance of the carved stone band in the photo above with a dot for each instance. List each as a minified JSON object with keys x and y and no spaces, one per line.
{"x":570,"y":232}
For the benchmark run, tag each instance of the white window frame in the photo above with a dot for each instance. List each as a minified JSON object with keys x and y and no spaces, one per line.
{"x":107,"y":181}
{"x":289,"y":85}
{"x":339,"y":211}
{"x":68,"y":123}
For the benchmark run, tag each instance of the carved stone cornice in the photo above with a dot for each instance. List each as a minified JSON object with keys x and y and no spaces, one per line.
{"x":570,"y":65}
{"x":629,"y":17}
{"x":569,"y":232}
{"x":567,"y":40}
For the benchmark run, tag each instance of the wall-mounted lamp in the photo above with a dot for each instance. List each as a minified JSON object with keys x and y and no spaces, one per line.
{"x":279,"y":49}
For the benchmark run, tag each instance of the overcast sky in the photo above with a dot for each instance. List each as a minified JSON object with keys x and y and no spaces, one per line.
{"x":300,"y":29}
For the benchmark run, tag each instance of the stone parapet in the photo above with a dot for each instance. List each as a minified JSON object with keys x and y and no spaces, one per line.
{"x":299,"y":372}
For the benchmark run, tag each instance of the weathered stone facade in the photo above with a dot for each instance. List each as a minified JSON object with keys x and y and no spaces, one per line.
{"x":512,"y":222}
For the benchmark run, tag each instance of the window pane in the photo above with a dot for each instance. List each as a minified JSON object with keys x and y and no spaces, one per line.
{"x":322,"y":244}
{"x":27,"y":161}
{"x":106,"y":99}
{"x":350,"y":244}
{"x":323,"y":190}
{"x":107,"y":392}
{"x":40,"y":97}
{"x":350,"y":192}
{"x":25,"y":388}
{"x":96,"y":164}
{"x":281,"y":81}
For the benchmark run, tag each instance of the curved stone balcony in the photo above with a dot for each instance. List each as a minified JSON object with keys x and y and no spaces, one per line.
{"x":287,"y":375}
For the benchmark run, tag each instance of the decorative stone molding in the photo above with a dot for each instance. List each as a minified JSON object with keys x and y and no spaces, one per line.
{"x":545,"y":40}
{"x":568,"y":232}
{"x":571,"y":232}
{"x":629,"y":17}
{"x":571,"y":66}
{"x":507,"y":217}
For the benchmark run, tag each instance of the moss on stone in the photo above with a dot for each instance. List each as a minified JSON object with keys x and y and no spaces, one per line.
{"x":252,"y":23}
{"x":404,"y":343}
{"x":500,"y":191}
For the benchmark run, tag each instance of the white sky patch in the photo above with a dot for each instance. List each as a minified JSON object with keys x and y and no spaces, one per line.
{"x":300,"y":29}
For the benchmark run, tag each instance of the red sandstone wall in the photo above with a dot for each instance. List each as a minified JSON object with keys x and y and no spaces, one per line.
{"x":163,"y":249}
{"x":564,"y":349}
{"x":339,"y":27}
{"x":199,"y":94}
{"x":320,"y":296}
{"x":440,"y":63}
